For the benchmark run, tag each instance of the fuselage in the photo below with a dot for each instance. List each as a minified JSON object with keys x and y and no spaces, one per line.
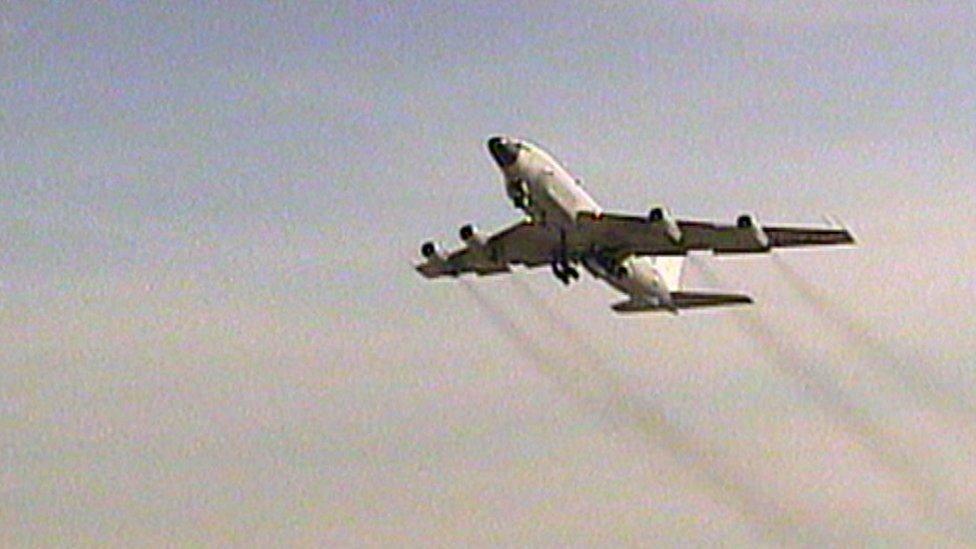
{"x":540,"y":186}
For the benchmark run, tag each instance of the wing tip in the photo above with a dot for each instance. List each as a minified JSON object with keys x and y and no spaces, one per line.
{"x":423,"y":269}
{"x":835,"y":222}
{"x":431,"y":271}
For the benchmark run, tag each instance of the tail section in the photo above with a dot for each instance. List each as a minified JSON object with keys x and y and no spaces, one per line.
{"x":664,"y":291}
{"x":670,"y":269}
{"x":683,"y":300}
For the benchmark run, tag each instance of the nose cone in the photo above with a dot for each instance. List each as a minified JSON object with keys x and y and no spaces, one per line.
{"x":504,"y":151}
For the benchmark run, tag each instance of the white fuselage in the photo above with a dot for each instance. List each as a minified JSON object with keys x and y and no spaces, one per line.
{"x":555,"y":197}
{"x":550,"y":195}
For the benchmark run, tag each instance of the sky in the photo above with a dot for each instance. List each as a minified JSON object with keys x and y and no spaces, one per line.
{"x":211,"y":332}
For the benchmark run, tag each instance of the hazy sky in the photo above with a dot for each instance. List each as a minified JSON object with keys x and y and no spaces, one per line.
{"x":210,"y":331}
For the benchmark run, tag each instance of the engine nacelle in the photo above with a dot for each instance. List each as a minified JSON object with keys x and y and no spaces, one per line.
{"x":746,"y":221}
{"x":471,"y":236}
{"x":431,"y":251}
{"x":661,"y":216}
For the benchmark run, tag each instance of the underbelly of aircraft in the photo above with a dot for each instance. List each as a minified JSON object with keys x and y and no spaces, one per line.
{"x":635,"y":277}
{"x":552,"y":205}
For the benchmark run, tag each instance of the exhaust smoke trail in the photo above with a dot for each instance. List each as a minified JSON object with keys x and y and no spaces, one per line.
{"x":869,"y":347}
{"x":540,"y":306}
{"x":831,"y":397}
{"x":603,"y":389}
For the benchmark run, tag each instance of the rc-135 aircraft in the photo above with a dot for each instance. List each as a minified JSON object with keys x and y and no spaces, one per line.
{"x":641,"y":256}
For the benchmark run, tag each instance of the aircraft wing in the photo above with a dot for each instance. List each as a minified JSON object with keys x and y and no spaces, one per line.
{"x":520,"y":244}
{"x":621,"y":235}
{"x":630,"y":234}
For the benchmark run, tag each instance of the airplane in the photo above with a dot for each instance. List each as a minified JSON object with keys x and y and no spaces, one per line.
{"x":639,"y":255}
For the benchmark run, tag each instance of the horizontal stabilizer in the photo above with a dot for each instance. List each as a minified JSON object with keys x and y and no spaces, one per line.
{"x":683,"y":300}
{"x":689,"y":300}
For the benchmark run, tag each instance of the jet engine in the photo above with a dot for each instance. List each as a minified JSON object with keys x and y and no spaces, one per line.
{"x":746,"y":221}
{"x":472,"y":236}
{"x":663,"y":217}
{"x":431,"y":251}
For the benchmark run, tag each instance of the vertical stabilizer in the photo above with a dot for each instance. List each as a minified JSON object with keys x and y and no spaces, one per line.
{"x":670,"y":268}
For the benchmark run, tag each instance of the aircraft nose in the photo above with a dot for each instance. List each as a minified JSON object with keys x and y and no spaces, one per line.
{"x":504,"y":151}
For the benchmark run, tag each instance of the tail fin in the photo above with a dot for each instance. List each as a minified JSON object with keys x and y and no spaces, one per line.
{"x":683,"y":300}
{"x":670,"y":267}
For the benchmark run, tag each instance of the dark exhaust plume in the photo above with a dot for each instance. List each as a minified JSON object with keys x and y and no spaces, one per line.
{"x":843,"y":409}
{"x":606,"y":392}
{"x":870,"y":348}
{"x":575,"y":336}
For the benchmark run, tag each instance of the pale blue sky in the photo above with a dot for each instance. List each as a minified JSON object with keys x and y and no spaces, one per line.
{"x":210,"y":330}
